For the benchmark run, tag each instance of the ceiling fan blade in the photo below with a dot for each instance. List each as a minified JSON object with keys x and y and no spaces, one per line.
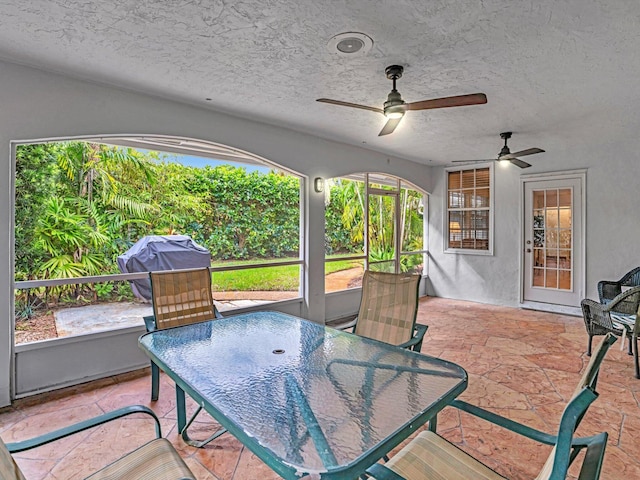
{"x":352,"y":105}
{"x":519,"y":163}
{"x":445,"y":102}
{"x":522,"y":153}
{"x":390,"y":126}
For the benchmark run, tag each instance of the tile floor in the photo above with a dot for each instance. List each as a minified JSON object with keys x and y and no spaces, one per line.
{"x":521,"y":364}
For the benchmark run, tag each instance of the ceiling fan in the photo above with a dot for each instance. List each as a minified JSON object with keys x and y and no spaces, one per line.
{"x":394,"y":108}
{"x":506,"y":155}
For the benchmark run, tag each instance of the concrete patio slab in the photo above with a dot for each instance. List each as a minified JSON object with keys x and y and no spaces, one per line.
{"x":110,"y":316}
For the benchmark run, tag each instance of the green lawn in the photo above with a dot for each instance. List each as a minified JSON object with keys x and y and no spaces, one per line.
{"x":278,"y":278}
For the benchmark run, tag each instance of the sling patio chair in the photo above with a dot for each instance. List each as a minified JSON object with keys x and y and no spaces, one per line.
{"x":620,"y":317}
{"x":610,"y":289}
{"x":180,"y":297}
{"x":388,"y":309}
{"x":155,"y":460}
{"x":430,"y":456}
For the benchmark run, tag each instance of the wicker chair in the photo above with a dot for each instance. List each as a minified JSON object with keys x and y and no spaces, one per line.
{"x":609,"y":289}
{"x":619,"y":316}
{"x":180,"y":297}
{"x":388,"y":309}
{"x":429,"y":456}
{"x":156,"y":460}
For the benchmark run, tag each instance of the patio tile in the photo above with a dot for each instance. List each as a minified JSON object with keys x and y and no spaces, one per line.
{"x":522,"y":364}
{"x":221,"y":457}
{"x":251,"y":466}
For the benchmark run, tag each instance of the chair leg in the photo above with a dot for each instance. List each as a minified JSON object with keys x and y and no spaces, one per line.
{"x":588,"y":345}
{"x":155,"y":381}
{"x":630,"y":349}
{"x":634,"y":340}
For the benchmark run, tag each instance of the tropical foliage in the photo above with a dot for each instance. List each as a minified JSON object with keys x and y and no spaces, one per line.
{"x":79,"y":205}
{"x":345,"y":223}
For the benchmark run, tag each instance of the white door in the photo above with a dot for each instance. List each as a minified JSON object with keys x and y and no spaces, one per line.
{"x":553,"y":270}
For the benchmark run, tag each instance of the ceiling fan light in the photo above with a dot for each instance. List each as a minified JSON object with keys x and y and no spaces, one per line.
{"x":398,"y":114}
{"x":394,"y":111}
{"x":504,"y":163}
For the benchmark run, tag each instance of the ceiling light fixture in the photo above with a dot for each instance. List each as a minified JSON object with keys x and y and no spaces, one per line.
{"x":350,"y":44}
{"x":394,"y":111}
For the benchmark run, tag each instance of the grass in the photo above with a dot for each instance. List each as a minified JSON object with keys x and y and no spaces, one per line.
{"x":277,"y":278}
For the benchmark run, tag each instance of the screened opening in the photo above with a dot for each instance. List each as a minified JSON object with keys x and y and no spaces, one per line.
{"x":394,"y":237}
{"x":80,"y":204}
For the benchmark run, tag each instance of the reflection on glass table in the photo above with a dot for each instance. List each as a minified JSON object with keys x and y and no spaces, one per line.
{"x":310,"y":401}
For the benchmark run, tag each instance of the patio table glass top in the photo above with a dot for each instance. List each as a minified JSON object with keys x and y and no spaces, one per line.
{"x":308,"y":400}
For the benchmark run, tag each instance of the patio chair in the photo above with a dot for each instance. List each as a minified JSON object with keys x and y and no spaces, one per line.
{"x":429,"y":456}
{"x":180,"y":297}
{"x":388,"y":309}
{"x":156,"y":460}
{"x":620,"y":317}
{"x":610,"y":289}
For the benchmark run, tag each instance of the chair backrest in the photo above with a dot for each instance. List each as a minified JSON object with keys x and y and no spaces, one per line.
{"x":632,"y":278}
{"x":8,"y":468}
{"x":557,"y":463}
{"x":181,"y":297}
{"x":388,"y":307}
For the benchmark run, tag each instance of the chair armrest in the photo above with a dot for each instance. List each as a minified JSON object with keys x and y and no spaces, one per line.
{"x":419,"y":331}
{"x":344,"y":323}
{"x":150,"y":322}
{"x":501,"y":421}
{"x":601,"y":308}
{"x":81,"y":426}
{"x":627,"y":302}
{"x":380,"y":472}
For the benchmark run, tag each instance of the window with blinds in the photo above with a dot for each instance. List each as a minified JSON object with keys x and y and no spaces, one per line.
{"x":468,"y":222}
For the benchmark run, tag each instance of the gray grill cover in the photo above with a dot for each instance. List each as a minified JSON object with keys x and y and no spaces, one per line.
{"x":161,"y":252}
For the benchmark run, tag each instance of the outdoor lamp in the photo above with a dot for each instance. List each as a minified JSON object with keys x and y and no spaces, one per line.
{"x":318,"y":184}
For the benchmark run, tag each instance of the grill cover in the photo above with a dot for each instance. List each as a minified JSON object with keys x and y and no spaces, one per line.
{"x":161,"y":252}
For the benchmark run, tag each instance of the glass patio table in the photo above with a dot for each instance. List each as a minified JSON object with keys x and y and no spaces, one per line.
{"x":310,"y":401}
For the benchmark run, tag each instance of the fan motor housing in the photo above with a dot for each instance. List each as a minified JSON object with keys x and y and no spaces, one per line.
{"x":394,"y":72}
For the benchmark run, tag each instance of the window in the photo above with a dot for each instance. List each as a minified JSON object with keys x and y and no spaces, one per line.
{"x":469,"y":217}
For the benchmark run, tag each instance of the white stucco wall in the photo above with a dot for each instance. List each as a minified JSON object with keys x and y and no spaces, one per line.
{"x":612,"y":220}
{"x":39,"y":105}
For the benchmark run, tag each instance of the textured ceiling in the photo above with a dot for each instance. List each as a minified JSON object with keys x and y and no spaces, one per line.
{"x":553,"y":71}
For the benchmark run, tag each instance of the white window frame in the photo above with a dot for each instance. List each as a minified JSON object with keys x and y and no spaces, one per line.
{"x":445,"y":216}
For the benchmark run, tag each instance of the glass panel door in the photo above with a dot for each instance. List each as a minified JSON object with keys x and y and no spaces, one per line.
{"x":552,"y":238}
{"x":553,"y":271}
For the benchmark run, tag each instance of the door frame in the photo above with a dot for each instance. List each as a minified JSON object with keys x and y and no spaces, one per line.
{"x":581,"y":176}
